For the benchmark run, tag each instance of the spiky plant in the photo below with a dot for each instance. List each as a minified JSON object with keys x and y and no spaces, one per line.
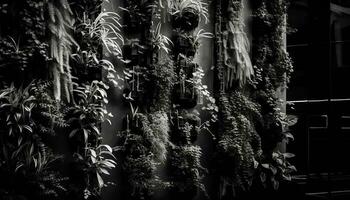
{"x":106,"y":29}
{"x":198,"y":7}
{"x":160,"y":41}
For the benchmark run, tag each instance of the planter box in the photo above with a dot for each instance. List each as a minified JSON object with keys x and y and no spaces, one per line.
{"x":179,"y":128}
{"x":188,"y":20}
{"x":184,"y":45}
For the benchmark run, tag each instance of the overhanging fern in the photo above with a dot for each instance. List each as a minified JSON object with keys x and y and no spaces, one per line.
{"x":59,"y":23}
{"x":236,"y":46}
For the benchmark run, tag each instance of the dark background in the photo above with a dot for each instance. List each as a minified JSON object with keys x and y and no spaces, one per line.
{"x":320,"y":92}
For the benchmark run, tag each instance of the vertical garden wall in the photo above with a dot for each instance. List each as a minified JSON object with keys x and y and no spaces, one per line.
{"x":142,"y":99}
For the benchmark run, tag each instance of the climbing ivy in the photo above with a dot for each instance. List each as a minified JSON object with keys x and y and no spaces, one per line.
{"x":249,"y":108}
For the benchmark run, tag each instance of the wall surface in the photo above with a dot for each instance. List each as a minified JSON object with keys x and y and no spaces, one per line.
{"x":205,"y":58}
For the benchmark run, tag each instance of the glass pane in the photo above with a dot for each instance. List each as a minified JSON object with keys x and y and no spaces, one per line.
{"x":318,"y":71}
{"x":340,"y":54}
{"x":340,"y":32}
{"x":319,"y":22}
{"x":298,"y":20}
{"x":297,"y":88}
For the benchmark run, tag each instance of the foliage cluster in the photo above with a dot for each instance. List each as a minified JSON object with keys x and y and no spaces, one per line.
{"x":144,"y":148}
{"x":34,"y":115}
{"x":239,"y":146}
{"x":26,"y":161}
{"x":253,"y":123}
{"x":22,"y":48}
{"x":185,"y":169}
{"x":145,"y":141}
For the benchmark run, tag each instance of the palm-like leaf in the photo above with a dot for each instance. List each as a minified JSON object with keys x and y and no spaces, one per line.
{"x":160,"y":41}
{"x":179,"y":6}
{"x":107,"y":28}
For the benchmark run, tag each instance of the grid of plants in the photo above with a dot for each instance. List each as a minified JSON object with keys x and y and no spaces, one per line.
{"x":252,"y":123}
{"x":163,"y":87}
{"x":54,"y":82}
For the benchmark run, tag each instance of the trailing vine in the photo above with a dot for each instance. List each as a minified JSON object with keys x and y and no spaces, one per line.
{"x":271,"y":60}
{"x":90,"y":160}
{"x":249,"y":108}
{"x":185,"y":169}
{"x":236,"y":46}
{"x":150,"y":77}
{"x":239,"y":145}
{"x":61,"y":43}
{"x":273,"y":70}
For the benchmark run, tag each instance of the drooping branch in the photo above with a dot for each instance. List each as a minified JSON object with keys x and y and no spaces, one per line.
{"x":236,"y":46}
{"x":61,"y":42}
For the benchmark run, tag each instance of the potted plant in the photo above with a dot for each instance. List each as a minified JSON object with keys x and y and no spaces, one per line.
{"x":137,"y":15}
{"x":186,"y":126}
{"x":187,"y":13}
{"x":185,"y":91}
{"x":187,"y":44}
{"x":186,"y":172}
{"x":160,"y":41}
{"x":136,"y":80}
{"x":132,"y":51}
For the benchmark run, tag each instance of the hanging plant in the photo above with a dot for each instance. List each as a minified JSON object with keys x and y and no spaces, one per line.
{"x":95,"y":162}
{"x":90,"y":159}
{"x":270,"y":70}
{"x":160,"y":88}
{"x":160,"y":41}
{"x":187,"y":171}
{"x":236,"y":46}
{"x":187,"y":44}
{"x":239,"y":145}
{"x":145,"y":141}
{"x":138,"y":14}
{"x":187,"y":126}
{"x":94,"y":35}
{"x":144,"y":148}
{"x":61,"y":42}
{"x":88,"y":114}
{"x":185,"y":92}
{"x":251,"y":122}
{"x":273,"y":70}
{"x":272,"y":59}
{"x":105,"y":28}
{"x":187,"y":13}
